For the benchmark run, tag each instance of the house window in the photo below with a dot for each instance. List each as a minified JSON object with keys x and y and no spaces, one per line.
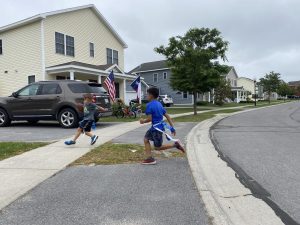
{"x":109,"y":55}
{"x":117,"y":85}
{"x":92,"y":50}
{"x":1,"y":52}
{"x":155,"y":77}
{"x":165,"y":75}
{"x":112,"y":56}
{"x":184,"y":94}
{"x":60,"y":43}
{"x":115,"y":57}
{"x":31,"y":79}
{"x":70,"y":45}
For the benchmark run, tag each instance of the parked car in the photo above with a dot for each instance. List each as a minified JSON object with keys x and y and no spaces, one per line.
{"x":52,"y":100}
{"x":167,"y":100}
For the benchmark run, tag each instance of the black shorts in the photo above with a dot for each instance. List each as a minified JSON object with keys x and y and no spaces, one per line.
{"x":86,"y":125}
{"x":155,"y":136}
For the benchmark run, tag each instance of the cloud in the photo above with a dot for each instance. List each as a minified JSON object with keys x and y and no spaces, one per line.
{"x":263,"y":35}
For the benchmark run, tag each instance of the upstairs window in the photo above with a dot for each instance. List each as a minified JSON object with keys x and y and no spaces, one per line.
{"x":115,"y":57}
{"x":1,"y":51}
{"x":155,"y":77}
{"x":60,"y":43}
{"x":185,"y":95}
{"x":112,"y":56}
{"x":70,"y":45}
{"x":109,"y":55}
{"x":92,"y":50}
{"x":165,"y":75}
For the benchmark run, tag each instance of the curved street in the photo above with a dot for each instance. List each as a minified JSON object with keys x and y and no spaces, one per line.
{"x":262,"y":146}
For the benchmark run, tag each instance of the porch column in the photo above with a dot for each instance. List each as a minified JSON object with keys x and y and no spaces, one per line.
{"x":124,"y":89}
{"x":72,"y":76}
{"x":237,"y":96}
{"x":209,"y":96}
{"x":99,"y":79}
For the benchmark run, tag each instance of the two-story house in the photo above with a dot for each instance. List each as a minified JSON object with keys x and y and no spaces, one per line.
{"x":158,"y":74}
{"x":76,"y":43}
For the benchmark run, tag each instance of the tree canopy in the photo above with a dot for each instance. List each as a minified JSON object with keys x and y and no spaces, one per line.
{"x":270,"y":83}
{"x":193,"y":60}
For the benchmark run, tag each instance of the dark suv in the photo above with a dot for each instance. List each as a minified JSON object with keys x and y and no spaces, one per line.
{"x":52,"y":100}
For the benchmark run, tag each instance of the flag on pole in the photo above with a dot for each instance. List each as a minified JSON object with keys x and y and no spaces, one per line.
{"x":110,"y":84}
{"x":137,"y":86}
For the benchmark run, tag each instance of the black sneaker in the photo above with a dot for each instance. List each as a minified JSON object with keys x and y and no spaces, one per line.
{"x":149,"y":161}
{"x":94,"y":139}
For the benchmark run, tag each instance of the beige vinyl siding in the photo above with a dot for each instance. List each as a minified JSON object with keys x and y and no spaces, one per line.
{"x":21,"y":57}
{"x":85,"y":27}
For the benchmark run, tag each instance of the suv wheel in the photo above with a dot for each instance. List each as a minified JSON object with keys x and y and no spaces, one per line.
{"x":4,"y":118}
{"x":68,"y":118}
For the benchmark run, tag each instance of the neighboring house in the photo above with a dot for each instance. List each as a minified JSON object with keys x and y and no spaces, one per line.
{"x":239,"y":93}
{"x":248,"y":86}
{"x":158,"y":74}
{"x":76,"y":43}
{"x":296,"y":86}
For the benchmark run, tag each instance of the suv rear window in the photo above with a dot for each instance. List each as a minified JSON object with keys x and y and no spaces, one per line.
{"x":50,"y":89}
{"x":86,"y":88}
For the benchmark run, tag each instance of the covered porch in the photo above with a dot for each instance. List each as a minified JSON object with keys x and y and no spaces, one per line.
{"x":93,"y":73}
{"x":239,"y":94}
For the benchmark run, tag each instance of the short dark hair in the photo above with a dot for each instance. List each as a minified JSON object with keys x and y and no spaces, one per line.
{"x":153,"y":91}
{"x":88,"y":96}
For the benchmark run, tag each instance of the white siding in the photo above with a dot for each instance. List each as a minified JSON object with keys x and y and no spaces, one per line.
{"x":21,"y":57}
{"x":85,"y":27}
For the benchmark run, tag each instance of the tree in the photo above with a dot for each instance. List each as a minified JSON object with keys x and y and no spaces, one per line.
{"x":222,"y":92}
{"x":284,"y":89}
{"x":193,"y":60}
{"x":270,"y":83}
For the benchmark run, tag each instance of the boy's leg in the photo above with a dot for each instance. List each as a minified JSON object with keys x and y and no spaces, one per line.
{"x":90,"y":134}
{"x":78,"y":133}
{"x":165,"y":147}
{"x":147,"y":148}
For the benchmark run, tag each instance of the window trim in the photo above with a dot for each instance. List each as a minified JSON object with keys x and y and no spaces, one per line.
{"x":1,"y":46}
{"x":113,"y":53}
{"x":28,"y":79}
{"x":165,"y":75}
{"x":65,"y":46}
{"x":92,"y":49}
{"x":155,"y":74}
{"x":70,"y":46}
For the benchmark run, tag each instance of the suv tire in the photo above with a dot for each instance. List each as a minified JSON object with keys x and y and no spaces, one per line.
{"x":68,"y":118}
{"x":4,"y":118}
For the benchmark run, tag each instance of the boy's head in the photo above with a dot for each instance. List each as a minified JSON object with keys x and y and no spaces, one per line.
{"x":88,"y":97}
{"x":153,"y":93}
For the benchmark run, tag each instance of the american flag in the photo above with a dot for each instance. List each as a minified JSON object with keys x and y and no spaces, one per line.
{"x":110,"y":84}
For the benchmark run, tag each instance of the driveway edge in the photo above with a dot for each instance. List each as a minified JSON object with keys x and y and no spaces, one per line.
{"x":227,"y":200}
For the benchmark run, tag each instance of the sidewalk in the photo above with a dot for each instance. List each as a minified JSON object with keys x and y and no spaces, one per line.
{"x":21,"y":173}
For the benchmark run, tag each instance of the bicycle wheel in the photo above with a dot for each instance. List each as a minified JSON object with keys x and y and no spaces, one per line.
{"x":132,"y":114}
{"x":119,"y":114}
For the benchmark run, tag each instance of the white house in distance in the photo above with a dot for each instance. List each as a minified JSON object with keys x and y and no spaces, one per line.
{"x":238,"y":92}
{"x":76,"y":43}
{"x":248,"y":85}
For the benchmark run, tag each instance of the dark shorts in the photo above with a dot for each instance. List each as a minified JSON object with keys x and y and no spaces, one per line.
{"x":86,"y":125}
{"x":155,"y":136}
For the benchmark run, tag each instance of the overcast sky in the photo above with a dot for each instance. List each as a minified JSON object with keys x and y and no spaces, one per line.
{"x":264,"y":35}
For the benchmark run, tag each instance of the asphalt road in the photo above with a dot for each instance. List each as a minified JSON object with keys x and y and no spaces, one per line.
{"x":263,"y":147}
{"x":42,"y":131}
{"x":164,"y":194}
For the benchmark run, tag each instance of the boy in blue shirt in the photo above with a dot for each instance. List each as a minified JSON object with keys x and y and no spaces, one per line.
{"x":155,"y":113}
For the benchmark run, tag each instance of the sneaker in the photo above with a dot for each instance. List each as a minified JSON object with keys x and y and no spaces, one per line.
{"x":149,"y":161}
{"x":70,"y":142}
{"x":94,"y":139}
{"x":179,"y":146}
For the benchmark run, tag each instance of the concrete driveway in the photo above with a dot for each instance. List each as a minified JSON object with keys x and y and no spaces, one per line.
{"x":263,"y":148}
{"x":42,"y":131}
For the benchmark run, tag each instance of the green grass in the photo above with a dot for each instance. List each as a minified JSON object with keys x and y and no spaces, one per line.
{"x":9,"y":149}
{"x":185,"y":110}
{"x":112,"y":153}
{"x":204,"y":116}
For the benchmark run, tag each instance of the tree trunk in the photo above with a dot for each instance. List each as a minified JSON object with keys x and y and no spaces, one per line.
{"x":195,"y":102}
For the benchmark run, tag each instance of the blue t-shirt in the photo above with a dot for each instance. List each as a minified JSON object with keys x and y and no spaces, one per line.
{"x":156,"y":110}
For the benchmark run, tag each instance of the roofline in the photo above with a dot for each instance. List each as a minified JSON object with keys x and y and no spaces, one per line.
{"x":144,"y":71}
{"x":245,"y":78}
{"x":44,"y":15}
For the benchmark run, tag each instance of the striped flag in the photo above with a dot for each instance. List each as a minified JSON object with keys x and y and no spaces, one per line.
{"x":110,"y":84}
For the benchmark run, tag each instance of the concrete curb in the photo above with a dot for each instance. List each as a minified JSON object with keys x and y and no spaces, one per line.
{"x":227,"y":201}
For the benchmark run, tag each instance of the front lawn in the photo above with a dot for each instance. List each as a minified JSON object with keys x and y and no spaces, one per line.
{"x":204,"y":116}
{"x":114,"y":153}
{"x":9,"y":149}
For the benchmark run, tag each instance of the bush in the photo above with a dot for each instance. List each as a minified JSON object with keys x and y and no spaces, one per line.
{"x":202,"y":103}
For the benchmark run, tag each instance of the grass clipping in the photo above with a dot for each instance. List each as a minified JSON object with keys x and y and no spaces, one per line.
{"x":114,"y":153}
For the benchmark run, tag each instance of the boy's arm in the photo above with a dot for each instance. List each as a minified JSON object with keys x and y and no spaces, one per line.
{"x":101,"y":109}
{"x":147,"y":120}
{"x":170,"y":121}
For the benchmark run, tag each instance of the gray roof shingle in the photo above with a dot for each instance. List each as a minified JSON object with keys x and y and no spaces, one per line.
{"x":149,"y":66}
